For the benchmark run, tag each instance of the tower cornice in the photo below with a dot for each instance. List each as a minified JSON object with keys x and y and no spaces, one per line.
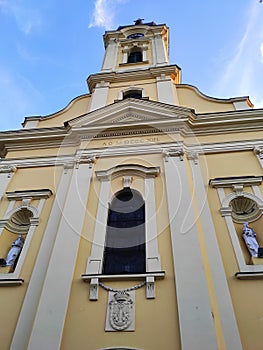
{"x":138,"y":74}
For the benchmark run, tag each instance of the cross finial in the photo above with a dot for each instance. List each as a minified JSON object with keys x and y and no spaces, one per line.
{"x":139,"y":21}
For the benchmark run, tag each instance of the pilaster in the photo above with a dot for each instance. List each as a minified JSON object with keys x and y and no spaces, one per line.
{"x":50,"y":316}
{"x":195,"y":317}
{"x":99,"y":96}
{"x":160,"y":56}
{"x":110,"y":57}
{"x":231,"y":337}
{"x":32,"y":297}
{"x":165,"y":90}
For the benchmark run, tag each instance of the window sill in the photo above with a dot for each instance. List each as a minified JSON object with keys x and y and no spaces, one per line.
{"x":133,"y":63}
{"x":11,"y":282}
{"x":249,"y":275}
{"x":135,"y":276}
{"x":149,"y":278}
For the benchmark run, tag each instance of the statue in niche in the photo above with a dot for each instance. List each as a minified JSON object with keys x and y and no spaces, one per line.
{"x":14,"y":251}
{"x":249,"y":236}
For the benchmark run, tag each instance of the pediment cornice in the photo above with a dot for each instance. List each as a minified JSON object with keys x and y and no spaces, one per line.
{"x":131,"y":111}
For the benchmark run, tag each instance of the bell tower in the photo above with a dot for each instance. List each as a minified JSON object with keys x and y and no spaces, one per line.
{"x":139,"y":45}
{"x":136,"y":64}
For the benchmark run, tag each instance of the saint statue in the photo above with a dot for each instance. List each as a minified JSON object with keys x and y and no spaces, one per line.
{"x":14,"y":251}
{"x":249,"y":236}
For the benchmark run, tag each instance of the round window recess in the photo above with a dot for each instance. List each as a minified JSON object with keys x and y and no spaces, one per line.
{"x":20,"y":221}
{"x":244,"y":209}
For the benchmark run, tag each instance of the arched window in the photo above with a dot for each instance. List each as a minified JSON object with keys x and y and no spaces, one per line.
{"x":135,"y":55}
{"x":132,"y":94}
{"x":124,"y":251}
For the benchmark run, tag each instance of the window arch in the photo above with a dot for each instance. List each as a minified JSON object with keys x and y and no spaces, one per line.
{"x":124,"y":250}
{"x":132,"y":94}
{"x":135,"y":55}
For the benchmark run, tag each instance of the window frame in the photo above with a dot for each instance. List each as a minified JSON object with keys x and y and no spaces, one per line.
{"x":93,"y":272}
{"x":246,"y":271}
{"x":25,"y":197}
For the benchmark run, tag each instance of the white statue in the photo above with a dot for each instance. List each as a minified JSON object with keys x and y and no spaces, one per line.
{"x":249,"y":236}
{"x":14,"y":251}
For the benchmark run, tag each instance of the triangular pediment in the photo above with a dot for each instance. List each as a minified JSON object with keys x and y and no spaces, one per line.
{"x":131,"y":112}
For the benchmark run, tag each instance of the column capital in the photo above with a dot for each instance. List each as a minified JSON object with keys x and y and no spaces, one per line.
{"x":258,"y":150}
{"x":84,"y":159}
{"x":193,"y":155}
{"x":7,"y":169}
{"x":173,"y":152}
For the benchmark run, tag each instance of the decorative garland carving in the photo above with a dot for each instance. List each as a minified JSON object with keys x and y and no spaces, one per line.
{"x":123,"y":290}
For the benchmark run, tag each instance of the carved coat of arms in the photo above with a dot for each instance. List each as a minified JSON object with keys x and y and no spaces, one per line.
{"x":121,"y":311}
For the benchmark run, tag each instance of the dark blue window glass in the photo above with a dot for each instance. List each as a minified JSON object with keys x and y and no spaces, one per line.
{"x":125,"y":239}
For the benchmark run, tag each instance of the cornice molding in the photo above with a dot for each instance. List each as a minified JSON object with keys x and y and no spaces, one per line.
{"x":29,"y":194}
{"x":129,"y":169}
{"x":133,"y":117}
{"x":137,"y":74}
{"x":83,"y":155}
{"x":233,"y":181}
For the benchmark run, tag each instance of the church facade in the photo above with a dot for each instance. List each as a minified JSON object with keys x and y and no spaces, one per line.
{"x":132,"y":218}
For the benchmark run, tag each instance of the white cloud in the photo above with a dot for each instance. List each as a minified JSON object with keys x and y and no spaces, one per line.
{"x":26,"y":18}
{"x":242,"y":75}
{"x":104,"y":13}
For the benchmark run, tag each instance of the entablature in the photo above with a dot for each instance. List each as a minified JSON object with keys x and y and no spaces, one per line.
{"x":131,"y":75}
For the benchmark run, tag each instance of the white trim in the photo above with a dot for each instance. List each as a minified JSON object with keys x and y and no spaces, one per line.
{"x":165,"y":90}
{"x":61,"y":263}
{"x":6,"y":173}
{"x":32,"y":297}
{"x":29,"y":235}
{"x":153,"y":261}
{"x":195,"y":318}
{"x":226,"y":212}
{"x":223,"y":298}
{"x":110,"y":56}
{"x":95,"y":261}
{"x":99,"y":96}
{"x":135,"y":276}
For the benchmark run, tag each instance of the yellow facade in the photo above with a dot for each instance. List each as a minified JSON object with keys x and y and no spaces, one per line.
{"x":196,"y":164}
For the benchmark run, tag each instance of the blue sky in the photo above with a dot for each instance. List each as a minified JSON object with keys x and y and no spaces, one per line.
{"x":48,"y":48}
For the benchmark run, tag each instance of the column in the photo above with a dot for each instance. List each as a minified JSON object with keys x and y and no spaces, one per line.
{"x":222,"y":295}
{"x":32,"y":297}
{"x":50,"y":316}
{"x":195,"y":316}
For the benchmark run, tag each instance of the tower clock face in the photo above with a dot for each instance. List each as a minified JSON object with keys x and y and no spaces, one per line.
{"x":135,"y":36}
